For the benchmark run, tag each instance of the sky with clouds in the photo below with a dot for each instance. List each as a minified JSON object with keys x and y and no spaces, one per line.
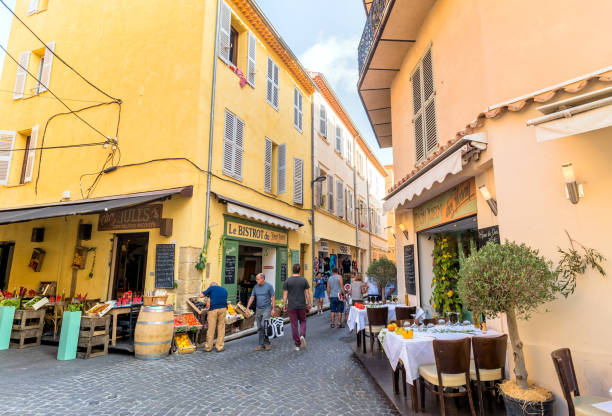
{"x":323,"y":34}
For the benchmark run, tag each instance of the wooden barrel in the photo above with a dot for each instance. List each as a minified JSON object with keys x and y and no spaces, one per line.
{"x":153,"y":334}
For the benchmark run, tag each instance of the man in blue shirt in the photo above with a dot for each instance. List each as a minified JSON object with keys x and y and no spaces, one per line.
{"x":264,"y":308}
{"x":216,"y":315}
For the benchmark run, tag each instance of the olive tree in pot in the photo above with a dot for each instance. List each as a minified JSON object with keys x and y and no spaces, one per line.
{"x":382,"y":273}
{"x":512,"y":279}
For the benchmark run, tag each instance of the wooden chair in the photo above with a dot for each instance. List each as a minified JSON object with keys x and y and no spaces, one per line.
{"x":403,"y":313}
{"x":434,"y":321}
{"x":400,"y":370}
{"x":452,"y":369}
{"x":489,"y":363}
{"x":576,"y":405}
{"x":377,"y":320}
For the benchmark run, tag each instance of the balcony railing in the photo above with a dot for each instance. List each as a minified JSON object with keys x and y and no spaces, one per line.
{"x":375,"y":18}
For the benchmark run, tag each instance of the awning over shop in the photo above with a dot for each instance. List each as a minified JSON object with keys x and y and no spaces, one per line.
{"x":254,"y":213}
{"x":571,"y":124}
{"x":447,"y":165}
{"x":88,"y":206}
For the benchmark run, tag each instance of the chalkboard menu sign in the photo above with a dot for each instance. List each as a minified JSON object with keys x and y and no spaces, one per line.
{"x":488,"y":234}
{"x":230,"y":270}
{"x":409,"y":269}
{"x":164,"y":266}
{"x":283,"y":272}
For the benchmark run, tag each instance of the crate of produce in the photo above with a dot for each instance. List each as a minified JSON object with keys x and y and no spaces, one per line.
{"x":191,"y":321}
{"x":199,"y":307}
{"x":179,"y":324}
{"x":183,"y":344}
{"x":99,"y":310}
{"x":36,"y":303}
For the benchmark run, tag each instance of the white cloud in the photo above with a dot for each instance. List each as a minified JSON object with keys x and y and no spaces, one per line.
{"x":336,"y":59}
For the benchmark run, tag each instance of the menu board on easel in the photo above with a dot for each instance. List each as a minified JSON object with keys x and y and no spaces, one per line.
{"x":409,"y":275}
{"x":230,"y":270}
{"x":164,"y":266}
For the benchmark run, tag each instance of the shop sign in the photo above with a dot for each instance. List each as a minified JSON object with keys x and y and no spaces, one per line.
{"x":250,"y":232}
{"x":323,"y":246}
{"x":344,"y":249}
{"x":488,"y":234}
{"x":453,"y":204}
{"x":144,"y":216}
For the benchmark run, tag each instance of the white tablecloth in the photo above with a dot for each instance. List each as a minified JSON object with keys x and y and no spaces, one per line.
{"x":358,"y":318}
{"x":419,"y":350}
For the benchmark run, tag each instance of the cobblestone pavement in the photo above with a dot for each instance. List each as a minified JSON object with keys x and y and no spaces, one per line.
{"x":323,"y":380}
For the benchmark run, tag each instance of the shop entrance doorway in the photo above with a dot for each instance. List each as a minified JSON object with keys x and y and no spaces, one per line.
{"x":130,"y":263}
{"x":6,"y":258}
{"x":252,"y":260}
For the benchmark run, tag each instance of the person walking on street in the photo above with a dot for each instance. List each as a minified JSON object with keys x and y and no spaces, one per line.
{"x":264,"y":293}
{"x":319,"y":293}
{"x":358,"y":288}
{"x":334,"y":289}
{"x":216,"y":316}
{"x":296,"y":299}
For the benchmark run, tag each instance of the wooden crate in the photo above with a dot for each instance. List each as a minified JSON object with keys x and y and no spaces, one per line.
{"x":92,"y":326}
{"x":28,"y":319}
{"x":92,"y":347}
{"x":25,"y":338}
{"x":199,"y":313}
{"x":247,"y":323}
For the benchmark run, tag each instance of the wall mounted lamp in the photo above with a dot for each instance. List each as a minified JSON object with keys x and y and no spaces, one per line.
{"x":573,"y":190}
{"x":487,"y":196}
{"x":404,"y":231}
{"x":319,"y":179}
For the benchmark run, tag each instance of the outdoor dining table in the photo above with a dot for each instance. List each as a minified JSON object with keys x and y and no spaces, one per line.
{"x":358,"y":318}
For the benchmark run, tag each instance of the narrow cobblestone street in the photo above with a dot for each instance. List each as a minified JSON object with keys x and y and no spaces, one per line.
{"x":325,"y":379}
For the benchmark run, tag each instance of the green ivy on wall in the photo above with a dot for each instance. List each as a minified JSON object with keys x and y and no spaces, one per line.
{"x":444,"y":296}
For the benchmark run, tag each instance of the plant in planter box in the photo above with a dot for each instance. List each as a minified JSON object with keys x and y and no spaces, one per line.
{"x":512,"y":279}
{"x":382,"y":273}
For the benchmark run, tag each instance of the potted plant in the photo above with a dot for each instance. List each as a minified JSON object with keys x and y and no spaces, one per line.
{"x":382,"y":273}
{"x":69,"y":335}
{"x":512,"y":279}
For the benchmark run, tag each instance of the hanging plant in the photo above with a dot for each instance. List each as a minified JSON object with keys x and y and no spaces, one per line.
{"x":93,"y":263}
{"x":201,"y":264}
{"x":221,"y":248}
{"x":444,"y":296}
{"x":573,"y":263}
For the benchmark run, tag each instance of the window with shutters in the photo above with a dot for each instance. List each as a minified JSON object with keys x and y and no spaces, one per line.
{"x":319,"y":189}
{"x":233,"y":51}
{"x":7,"y":139}
{"x":268,"y":149}
{"x":38,"y":64}
{"x":349,"y":151}
{"x":330,"y":193}
{"x":298,"y":181}
{"x":272,"y":84}
{"x":340,"y":198}
{"x":297,"y":109}
{"x":339,"y":139}
{"x":225,"y":32}
{"x":322,"y":120}
{"x":424,"y":109}
{"x":348,"y":203}
{"x":281,"y":163}
{"x":29,"y":156}
{"x":233,"y":145}
{"x":251,"y":61}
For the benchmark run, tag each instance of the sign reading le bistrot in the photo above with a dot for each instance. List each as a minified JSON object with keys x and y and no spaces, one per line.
{"x":144,"y":216}
{"x":250,"y":232}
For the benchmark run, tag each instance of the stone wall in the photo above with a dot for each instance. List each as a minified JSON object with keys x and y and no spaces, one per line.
{"x":189,"y":279}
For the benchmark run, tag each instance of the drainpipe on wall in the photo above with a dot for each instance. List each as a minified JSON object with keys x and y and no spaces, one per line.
{"x":355,"y":200}
{"x":312,"y":183}
{"x":211,"y":129}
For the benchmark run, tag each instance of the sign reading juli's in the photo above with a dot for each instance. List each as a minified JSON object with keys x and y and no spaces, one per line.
{"x":249,"y":232}
{"x":453,"y":204}
{"x":144,"y":216}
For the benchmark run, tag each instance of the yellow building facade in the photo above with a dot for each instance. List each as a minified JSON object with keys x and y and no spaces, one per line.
{"x":127,"y":178}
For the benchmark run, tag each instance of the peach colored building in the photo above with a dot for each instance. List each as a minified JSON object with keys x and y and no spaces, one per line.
{"x":500,"y":94}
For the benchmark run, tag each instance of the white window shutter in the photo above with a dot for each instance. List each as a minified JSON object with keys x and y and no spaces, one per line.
{"x":338,"y":139}
{"x":270,"y":82}
{"x":301,"y":101}
{"x":31,"y":155}
{"x":238,"y":148}
{"x":7,"y":138}
{"x":297,"y":109}
{"x":340,"y":201}
{"x":275,"y":101}
{"x":225,"y":28}
{"x":322,"y":120}
{"x":228,"y":144}
{"x":298,"y":180}
{"x":251,"y":51}
{"x":418,"y":138}
{"x":20,"y":80}
{"x":45,"y":76}
{"x":282,"y":169}
{"x":330,"y":193}
{"x":33,"y":8}
{"x":268,"y":166}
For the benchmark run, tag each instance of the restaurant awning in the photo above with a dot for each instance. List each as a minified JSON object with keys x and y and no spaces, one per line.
{"x":448,"y":163}
{"x":258,"y":214}
{"x":87,"y":206}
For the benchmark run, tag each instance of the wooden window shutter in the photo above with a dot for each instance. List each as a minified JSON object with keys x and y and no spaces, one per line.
{"x":31,"y":155}
{"x":282,"y":169}
{"x":228,"y":144}
{"x":20,"y":80}
{"x":300,"y":101}
{"x":7,"y":138}
{"x":33,"y":8}
{"x":298,"y":180}
{"x":268,"y":166}
{"x":270,"y":82}
{"x":352,"y":206}
{"x":251,"y":53}
{"x":275,"y":89}
{"x":297,"y":109}
{"x":238,"y":148}
{"x":340,"y":197}
{"x":428,"y":82}
{"x":339,"y":139}
{"x":418,"y":137}
{"x":416,"y":90}
{"x":45,"y":76}
{"x":431,"y":136}
{"x":322,"y":120}
{"x":330,"y":193}
{"x":225,"y":28}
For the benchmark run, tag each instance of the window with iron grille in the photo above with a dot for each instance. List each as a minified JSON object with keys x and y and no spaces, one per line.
{"x":424,"y":109}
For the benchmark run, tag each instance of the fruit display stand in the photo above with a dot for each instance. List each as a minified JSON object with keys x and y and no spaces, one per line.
{"x":187,"y":331}
{"x":27,"y":328}
{"x":93,"y":336}
{"x":181,"y":344}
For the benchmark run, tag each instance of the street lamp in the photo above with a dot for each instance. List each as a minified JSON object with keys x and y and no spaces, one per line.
{"x":320,"y":179}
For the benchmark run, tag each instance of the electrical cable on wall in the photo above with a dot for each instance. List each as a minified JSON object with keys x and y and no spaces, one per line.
{"x":51,"y":98}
